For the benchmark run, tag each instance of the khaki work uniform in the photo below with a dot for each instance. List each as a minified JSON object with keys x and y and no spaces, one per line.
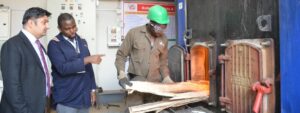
{"x":148,"y":62}
{"x":145,"y":60}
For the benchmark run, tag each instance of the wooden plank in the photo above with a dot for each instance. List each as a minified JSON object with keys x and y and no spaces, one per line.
{"x":161,"y":105}
{"x":180,"y":94}
{"x":169,"y":90}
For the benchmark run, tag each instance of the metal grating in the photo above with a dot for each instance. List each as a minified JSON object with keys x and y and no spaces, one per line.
{"x":249,"y":61}
{"x":242,"y":70}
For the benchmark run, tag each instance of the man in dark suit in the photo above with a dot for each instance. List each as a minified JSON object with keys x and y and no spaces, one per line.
{"x":24,"y":68}
{"x":73,"y":75}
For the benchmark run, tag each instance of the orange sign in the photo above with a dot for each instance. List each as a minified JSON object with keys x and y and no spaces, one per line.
{"x":142,"y":8}
{"x":145,"y":7}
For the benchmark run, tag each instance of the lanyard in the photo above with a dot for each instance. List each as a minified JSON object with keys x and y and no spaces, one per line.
{"x":77,"y":47}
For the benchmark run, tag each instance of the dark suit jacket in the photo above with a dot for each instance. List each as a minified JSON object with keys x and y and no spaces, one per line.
{"x":23,"y":77}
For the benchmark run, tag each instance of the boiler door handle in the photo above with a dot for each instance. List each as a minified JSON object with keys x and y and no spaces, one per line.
{"x":261,"y":90}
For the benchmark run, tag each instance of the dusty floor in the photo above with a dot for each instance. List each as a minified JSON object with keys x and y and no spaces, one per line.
{"x":111,"y":108}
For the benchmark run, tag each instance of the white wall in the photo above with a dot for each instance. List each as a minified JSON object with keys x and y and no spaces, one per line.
{"x":107,"y":16}
{"x":18,"y":8}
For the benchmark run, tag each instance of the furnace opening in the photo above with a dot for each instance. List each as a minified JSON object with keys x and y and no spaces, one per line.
{"x":199,"y":63}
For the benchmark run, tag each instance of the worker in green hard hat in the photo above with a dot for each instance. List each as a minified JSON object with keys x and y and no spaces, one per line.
{"x":146,"y":47}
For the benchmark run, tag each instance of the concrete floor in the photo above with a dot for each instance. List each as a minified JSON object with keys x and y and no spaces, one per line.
{"x":114,"y":102}
{"x":111,"y":108}
{"x":120,"y":108}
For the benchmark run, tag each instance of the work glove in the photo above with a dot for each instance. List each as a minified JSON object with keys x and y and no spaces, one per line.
{"x":123,"y":80}
{"x":167,"y":79}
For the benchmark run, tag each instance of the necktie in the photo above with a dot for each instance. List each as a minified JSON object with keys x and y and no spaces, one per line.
{"x":47,"y":76}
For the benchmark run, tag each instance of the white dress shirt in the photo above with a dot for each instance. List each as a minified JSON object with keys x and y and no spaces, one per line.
{"x":32,"y":40}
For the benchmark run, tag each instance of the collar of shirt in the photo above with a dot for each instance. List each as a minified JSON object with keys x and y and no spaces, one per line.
{"x":72,"y":42}
{"x":31,"y":38}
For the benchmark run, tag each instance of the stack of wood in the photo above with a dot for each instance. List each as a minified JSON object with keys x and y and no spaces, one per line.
{"x":179,"y":94}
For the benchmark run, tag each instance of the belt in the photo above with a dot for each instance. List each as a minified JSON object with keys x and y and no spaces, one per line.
{"x":47,"y":107}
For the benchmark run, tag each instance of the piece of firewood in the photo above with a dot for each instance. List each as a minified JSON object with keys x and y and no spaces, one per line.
{"x":164,"y":104}
{"x":181,"y":93}
{"x":188,"y":95}
{"x":171,"y":89}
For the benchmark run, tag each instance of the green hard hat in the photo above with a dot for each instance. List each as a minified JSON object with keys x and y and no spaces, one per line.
{"x":158,"y":14}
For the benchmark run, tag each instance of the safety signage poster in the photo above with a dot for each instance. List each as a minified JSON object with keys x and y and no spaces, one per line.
{"x":135,"y":14}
